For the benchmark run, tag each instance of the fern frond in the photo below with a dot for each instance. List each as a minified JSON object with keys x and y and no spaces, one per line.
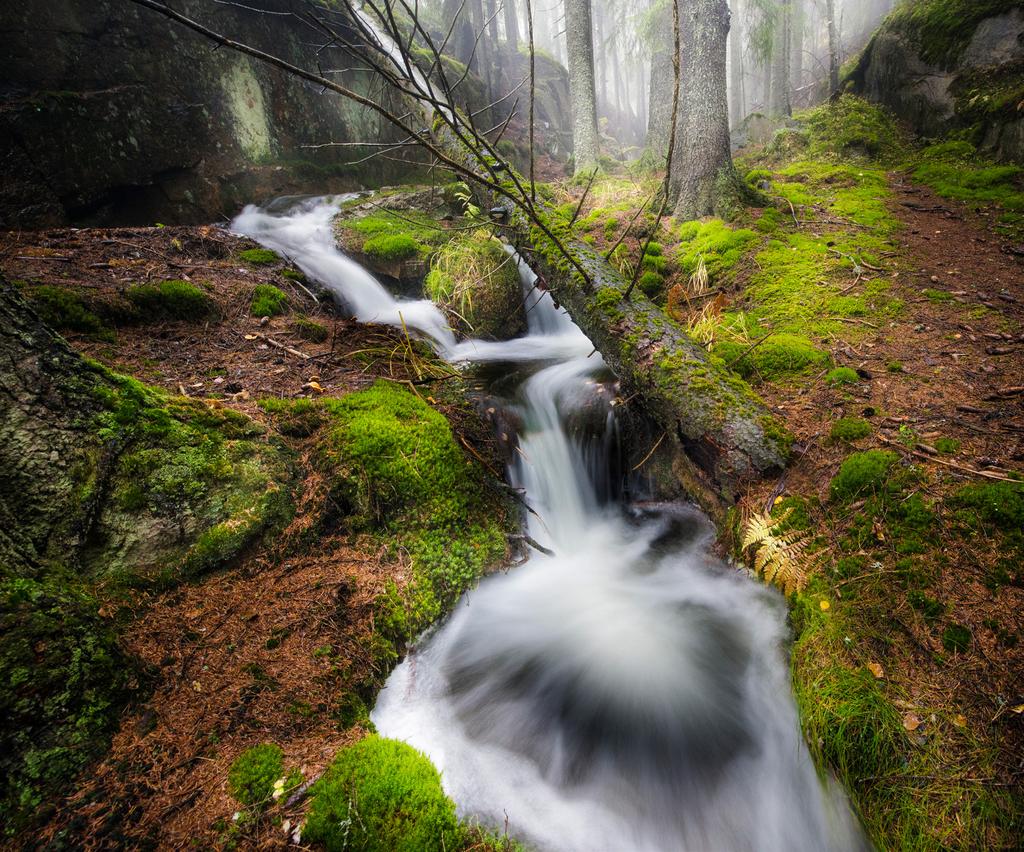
{"x":782,"y":558}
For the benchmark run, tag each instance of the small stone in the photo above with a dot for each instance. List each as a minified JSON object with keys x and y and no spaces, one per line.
{"x":264,"y":320}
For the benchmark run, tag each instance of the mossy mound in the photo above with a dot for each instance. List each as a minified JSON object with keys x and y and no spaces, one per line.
{"x":310,"y":330}
{"x":776,"y":357}
{"x":63,"y":681}
{"x":850,"y":127}
{"x":842,"y":376}
{"x":713,"y":243}
{"x":194,"y":485}
{"x":257,"y":776}
{"x":170,"y":300}
{"x":381,"y":795}
{"x":850,"y":429}
{"x":259,"y":256}
{"x":862,"y":473}
{"x":477,"y":282}
{"x":394,"y":466}
{"x":64,"y":310}
{"x":267,"y":301}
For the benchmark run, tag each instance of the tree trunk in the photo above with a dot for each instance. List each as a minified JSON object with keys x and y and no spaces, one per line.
{"x":736,"y":111}
{"x":833,"y":47}
{"x":511,"y":24}
{"x":779,"y":91}
{"x":797,"y":26}
{"x":703,"y":180}
{"x":660,"y":102}
{"x":580,"y":46}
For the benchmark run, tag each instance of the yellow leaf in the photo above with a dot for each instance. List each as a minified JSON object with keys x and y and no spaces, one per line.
{"x":315,"y":386}
{"x":779,"y":499}
{"x":825,"y":606}
{"x":251,"y":337}
{"x":877,"y":670}
{"x":960,"y":720}
{"x":911,"y":722}
{"x":1018,"y":709}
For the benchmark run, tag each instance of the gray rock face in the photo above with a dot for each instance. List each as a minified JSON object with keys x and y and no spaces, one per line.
{"x":111,"y":114}
{"x":936,"y":100}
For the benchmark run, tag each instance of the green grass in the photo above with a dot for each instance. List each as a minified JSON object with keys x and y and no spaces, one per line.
{"x":381,"y":795}
{"x":267,"y":301}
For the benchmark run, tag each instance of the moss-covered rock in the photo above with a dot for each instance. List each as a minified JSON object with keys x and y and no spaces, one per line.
{"x":172,"y":300}
{"x":381,"y":795}
{"x":477,"y":282}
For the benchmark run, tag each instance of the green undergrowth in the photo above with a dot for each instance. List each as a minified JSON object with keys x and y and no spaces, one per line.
{"x":914,"y":788}
{"x":65,"y":310}
{"x":257,"y":776}
{"x":63,"y":682}
{"x":955,"y":170}
{"x":390,"y":237}
{"x":395,"y":471}
{"x":259,"y":256}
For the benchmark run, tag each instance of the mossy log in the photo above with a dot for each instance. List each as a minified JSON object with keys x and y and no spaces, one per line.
{"x":721,"y":433}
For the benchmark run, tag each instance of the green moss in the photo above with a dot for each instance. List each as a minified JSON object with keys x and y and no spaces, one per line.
{"x":956,"y":638}
{"x":894,"y":366}
{"x":862,"y":473}
{"x":390,"y":248}
{"x":842,"y":376}
{"x":651,"y":284}
{"x":267,"y":301}
{"x":942,"y":29}
{"x":1000,"y":504}
{"x":947,"y":446}
{"x":175,"y":300}
{"x":718,"y":245}
{"x":252,"y":775}
{"x":63,"y":682}
{"x":929,"y":607}
{"x":381,"y":795}
{"x":478,"y":282}
{"x":259,"y":256}
{"x":850,"y":429}
{"x":63,"y":310}
{"x":394,"y":463}
{"x":851,"y":126}
{"x":778,"y":356}
{"x":307,"y":329}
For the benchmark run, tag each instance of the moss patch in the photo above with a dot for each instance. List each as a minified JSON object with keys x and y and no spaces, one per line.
{"x":862,"y":473}
{"x":267,"y":301}
{"x":173,"y":300}
{"x":381,"y":795}
{"x":778,"y":356}
{"x":259,"y":256}
{"x":64,"y":310}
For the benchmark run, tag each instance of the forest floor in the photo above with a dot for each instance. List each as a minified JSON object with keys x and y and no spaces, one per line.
{"x":268,"y":650}
{"x":909,"y":638}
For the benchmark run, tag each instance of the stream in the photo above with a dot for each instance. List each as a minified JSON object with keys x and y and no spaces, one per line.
{"x":629,"y":692}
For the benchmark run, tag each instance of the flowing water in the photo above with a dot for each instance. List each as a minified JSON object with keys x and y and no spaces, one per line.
{"x":629,"y":692}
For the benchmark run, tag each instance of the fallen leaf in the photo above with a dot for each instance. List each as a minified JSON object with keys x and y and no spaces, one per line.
{"x":877,"y":670}
{"x":911,"y":722}
{"x":315,"y":386}
{"x":825,"y":606}
{"x":960,"y":720}
{"x":878,"y":530}
{"x":1018,"y":709}
{"x":197,"y":686}
{"x":251,"y":337}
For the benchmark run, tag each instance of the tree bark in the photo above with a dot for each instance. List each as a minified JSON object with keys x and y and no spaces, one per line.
{"x":779,"y":91}
{"x":511,"y":24}
{"x":736,"y":110}
{"x":579,"y":36}
{"x":833,"y":47}
{"x":798,"y":24}
{"x":703,"y":180}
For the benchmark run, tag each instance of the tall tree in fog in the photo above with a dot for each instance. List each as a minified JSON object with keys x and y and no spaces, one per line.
{"x":511,"y":24}
{"x":579,"y":36}
{"x":737,"y":105}
{"x":779,"y":89}
{"x":703,"y":181}
{"x":797,"y":23}
{"x":833,"y":46}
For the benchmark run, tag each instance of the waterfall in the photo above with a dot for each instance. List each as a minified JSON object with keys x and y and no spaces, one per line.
{"x":629,"y":692}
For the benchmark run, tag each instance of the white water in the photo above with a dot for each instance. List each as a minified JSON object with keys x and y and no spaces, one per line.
{"x":628,"y":693}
